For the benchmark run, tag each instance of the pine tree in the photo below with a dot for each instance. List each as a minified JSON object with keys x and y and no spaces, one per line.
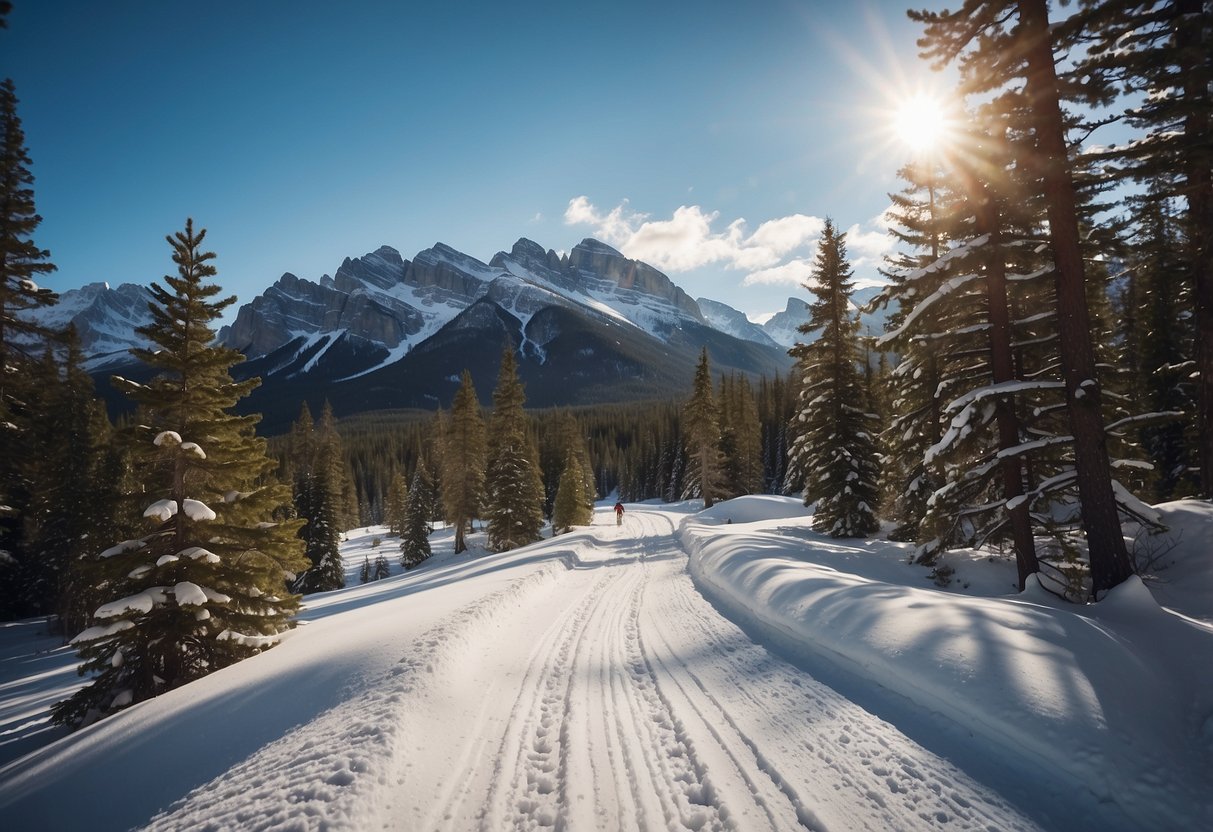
{"x":569,"y":509}
{"x":835,"y":446}
{"x":364,"y":574}
{"x":463,"y":461}
{"x":701,"y":421}
{"x":415,"y":537}
{"x":71,"y":506}
{"x":397,"y":498}
{"x":973,"y":36}
{"x":513,"y":483}
{"x":206,"y":586}
{"x":21,"y":261}
{"x":1158,"y":58}
{"x":319,"y":474}
{"x":382,"y":569}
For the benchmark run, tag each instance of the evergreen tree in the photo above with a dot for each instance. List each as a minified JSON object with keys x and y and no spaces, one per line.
{"x":382,"y":569}
{"x":701,"y":421}
{"x":21,"y":261}
{"x":835,"y":447}
{"x":206,"y":586}
{"x":415,"y":537}
{"x":514,"y":486}
{"x":1157,"y":57}
{"x":463,"y":461}
{"x":1025,"y":84}
{"x":364,"y":574}
{"x":319,"y":473}
{"x":71,"y":506}
{"x":569,"y":509}
{"x":397,"y":498}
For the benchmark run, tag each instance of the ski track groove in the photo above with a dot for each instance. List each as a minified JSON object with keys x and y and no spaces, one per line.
{"x":637,"y":705}
{"x":849,"y":744}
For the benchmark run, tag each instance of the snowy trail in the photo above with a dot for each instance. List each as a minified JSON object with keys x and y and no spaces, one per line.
{"x":590,"y":686}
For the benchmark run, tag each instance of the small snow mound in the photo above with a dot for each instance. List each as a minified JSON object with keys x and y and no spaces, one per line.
{"x":1035,"y":591}
{"x":167,"y":437}
{"x":754,"y":508}
{"x":1129,"y":596}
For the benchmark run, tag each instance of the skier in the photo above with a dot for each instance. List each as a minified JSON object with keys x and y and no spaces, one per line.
{"x":618,"y":514}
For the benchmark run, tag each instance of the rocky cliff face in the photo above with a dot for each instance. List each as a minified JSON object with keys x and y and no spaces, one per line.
{"x":735,"y":323}
{"x":105,"y":319}
{"x":598,"y":260}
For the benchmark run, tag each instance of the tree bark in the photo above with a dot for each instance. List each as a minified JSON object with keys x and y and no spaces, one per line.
{"x":1196,"y":70}
{"x":1002,"y":369}
{"x":1110,"y":564}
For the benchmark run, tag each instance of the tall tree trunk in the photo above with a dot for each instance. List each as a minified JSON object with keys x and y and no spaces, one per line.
{"x":1110,"y":564}
{"x":1196,"y":68}
{"x":1002,"y":369}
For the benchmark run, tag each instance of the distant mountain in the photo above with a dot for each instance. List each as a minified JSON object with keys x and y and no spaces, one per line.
{"x":384,"y":331}
{"x":105,"y":319}
{"x":783,"y":327}
{"x":735,"y":323}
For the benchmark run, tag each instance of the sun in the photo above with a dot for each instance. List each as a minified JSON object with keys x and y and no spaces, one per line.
{"x":921,"y":122}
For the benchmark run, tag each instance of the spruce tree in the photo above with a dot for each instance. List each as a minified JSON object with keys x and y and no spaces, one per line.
{"x":569,"y":508}
{"x":513,"y":483}
{"x":21,"y":262}
{"x":1155,"y":60}
{"x":206,"y":586}
{"x":72,"y":503}
{"x":415,"y":536}
{"x":364,"y":574}
{"x":397,"y":498}
{"x":1026,"y":87}
{"x":382,"y":568}
{"x":835,"y":446}
{"x":701,"y":428}
{"x":463,"y":461}
{"x":319,"y":474}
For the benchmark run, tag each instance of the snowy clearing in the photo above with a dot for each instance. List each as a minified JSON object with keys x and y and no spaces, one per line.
{"x":729,"y":669}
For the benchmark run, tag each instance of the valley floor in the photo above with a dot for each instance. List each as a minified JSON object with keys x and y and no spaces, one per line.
{"x":586,"y":682}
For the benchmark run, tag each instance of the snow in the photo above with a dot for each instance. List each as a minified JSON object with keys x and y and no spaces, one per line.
{"x":197,"y":510}
{"x":189,"y":594}
{"x":161,"y":510}
{"x":167,"y":437}
{"x":719,"y":669}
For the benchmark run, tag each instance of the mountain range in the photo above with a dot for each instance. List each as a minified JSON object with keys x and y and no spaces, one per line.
{"x":589,"y":326}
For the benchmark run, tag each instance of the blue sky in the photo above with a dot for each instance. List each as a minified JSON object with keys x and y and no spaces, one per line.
{"x":707,"y":138}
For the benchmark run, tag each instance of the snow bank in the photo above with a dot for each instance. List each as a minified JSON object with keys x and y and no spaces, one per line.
{"x":1112,"y":698}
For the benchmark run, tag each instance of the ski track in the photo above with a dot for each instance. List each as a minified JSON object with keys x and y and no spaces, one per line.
{"x":595,"y":694}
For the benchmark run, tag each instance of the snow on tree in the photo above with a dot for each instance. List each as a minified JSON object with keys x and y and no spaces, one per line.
{"x":835,"y":445}
{"x":382,"y":569}
{"x":364,"y":574}
{"x":513,"y":483}
{"x":415,"y":536}
{"x":318,"y":472}
{"x":206,"y":586}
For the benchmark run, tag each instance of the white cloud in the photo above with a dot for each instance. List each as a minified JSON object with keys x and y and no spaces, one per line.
{"x":779,"y":252}
{"x":868,"y":247}
{"x":793,"y":273}
{"x":687,"y":241}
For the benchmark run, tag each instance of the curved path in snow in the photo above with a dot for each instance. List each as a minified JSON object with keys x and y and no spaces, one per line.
{"x":596,"y":689}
